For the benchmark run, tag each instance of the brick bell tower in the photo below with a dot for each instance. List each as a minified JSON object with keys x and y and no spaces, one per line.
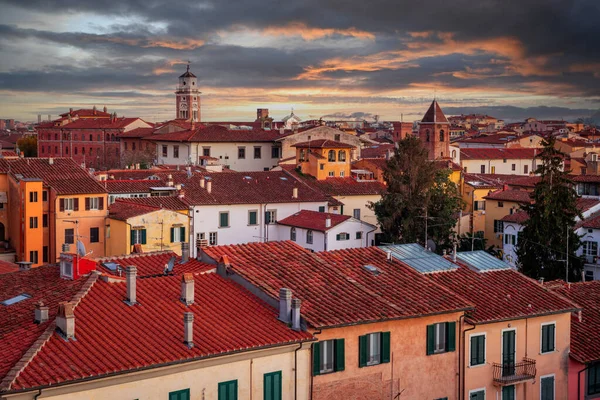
{"x":434,"y":132}
{"x":187,"y":97}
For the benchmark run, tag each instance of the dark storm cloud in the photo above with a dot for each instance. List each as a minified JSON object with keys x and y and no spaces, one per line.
{"x":354,"y":115}
{"x":511,"y":113}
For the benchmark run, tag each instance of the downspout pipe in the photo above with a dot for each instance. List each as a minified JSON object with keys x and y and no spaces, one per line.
{"x":312,"y":375}
{"x":579,"y":379}
{"x":463,"y":359}
{"x":296,"y":371}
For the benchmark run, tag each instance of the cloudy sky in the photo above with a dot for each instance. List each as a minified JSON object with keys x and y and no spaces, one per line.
{"x":321,"y":57}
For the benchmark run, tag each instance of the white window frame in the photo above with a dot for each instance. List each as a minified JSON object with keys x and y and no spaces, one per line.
{"x":484,"y":334}
{"x":502,"y":347}
{"x":309,"y":233}
{"x":553,"y":381}
{"x":70,"y":204}
{"x":483,"y":389}
{"x":252,"y":211}
{"x":354,"y":212}
{"x":273,"y":218}
{"x":541,"y":337}
{"x":94,"y":203}
{"x":293,"y":234}
{"x":370,"y":347}
{"x":228,"y":221}
{"x":513,"y":385}
{"x":331,"y":174}
{"x":177,"y":234}
{"x":210,"y":238}
{"x":137,"y":236}
{"x":436,"y":338}
{"x":342,"y":174}
{"x":331,"y":344}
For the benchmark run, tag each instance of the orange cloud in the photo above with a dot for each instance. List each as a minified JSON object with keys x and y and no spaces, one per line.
{"x":167,"y":68}
{"x":184,"y":44}
{"x":311,"y":33}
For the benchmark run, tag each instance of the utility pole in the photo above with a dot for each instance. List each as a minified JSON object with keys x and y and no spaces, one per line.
{"x":567,"y":258}
{"x":425,"y":227}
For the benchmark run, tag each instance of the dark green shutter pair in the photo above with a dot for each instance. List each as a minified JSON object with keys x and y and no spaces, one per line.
{"x":339,"y":356}
{"x":547,"y":388}
{"x":548,"y":338}
{"x":180,"y":395}
{"x":450,"y":337}
{"x":477,"y":350}
{"x":272,"y":386}
{"x":181,"y":234}
{"x":363,"y":349}
{"x":228,"y":390}
{"x":132,"y":236}
{"x":224,"y":220}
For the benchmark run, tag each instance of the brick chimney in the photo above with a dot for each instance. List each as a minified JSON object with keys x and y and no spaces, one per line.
{"x":202,"y":182}
{"x":209,"y":186}
{"x":170,"y":182}
{"x":296,"y":314}
{"x":328,"y":221}
{"x":285,"y":305}
{"x":187,"y":288}
{"x":188,"y":329}
{"x":41,"y":313}
{"x":295,"y":193}
{"x":185,"y":252}
{"x":130,"y":279}
{"x":65,"y":319}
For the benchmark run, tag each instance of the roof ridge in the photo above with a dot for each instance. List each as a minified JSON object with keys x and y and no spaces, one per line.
{"x":134,"y":255}
{"x":28,"y":356}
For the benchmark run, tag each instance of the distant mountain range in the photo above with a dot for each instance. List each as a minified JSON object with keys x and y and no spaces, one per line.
{"x":513,"y":114}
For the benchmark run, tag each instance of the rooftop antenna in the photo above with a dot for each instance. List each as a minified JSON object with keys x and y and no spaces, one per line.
{"x":188,"y":65}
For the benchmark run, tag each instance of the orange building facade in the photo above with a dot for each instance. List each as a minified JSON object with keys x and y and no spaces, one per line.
{"x":324,"y":158}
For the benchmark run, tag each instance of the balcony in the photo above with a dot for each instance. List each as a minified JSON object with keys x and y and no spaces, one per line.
{"x":509,"y":374}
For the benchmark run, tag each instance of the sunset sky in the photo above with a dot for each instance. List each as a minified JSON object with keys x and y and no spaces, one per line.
{"x":323,"y":58}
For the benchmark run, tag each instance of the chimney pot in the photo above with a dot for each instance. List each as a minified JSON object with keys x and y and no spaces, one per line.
{"x":328,"y":222}
{"x":202,"y":183}
{"x":41,"y":313}
{"x":295,"y":193}
{"x":296,"y":314}
{"x":130,"y":278}
{"x":51,"y":161}
{"x":285,"y":305}
{"x":185,"y":252}
{"x":209,"y":186}
{"x":187,"y":288}
{"x":65,"y":319}
{"x":188,"y":329}
{"x":24,"y":265}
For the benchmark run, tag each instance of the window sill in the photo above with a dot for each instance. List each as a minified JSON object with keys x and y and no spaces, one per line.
{"x":478,"y":365}
{"x":224,"y":227}
{"x":548,"y":352}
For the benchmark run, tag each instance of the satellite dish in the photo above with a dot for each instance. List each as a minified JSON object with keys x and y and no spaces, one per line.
{"x":171,"y":264}
{"x":80,"y":249}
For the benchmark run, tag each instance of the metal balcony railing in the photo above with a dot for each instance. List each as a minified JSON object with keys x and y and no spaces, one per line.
{"x":509,"y":374}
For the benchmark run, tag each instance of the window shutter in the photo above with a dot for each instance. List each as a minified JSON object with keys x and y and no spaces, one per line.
{"x":340,"y":357}
{"x":101,"y":203}
{"x":268,"y":386}
{"x":75,"y":204}
{"x":61,"y":203}
{"x":482,"y":349}
{"x":362,"y":351}
{"x":385,"y":347}
{"x":474,"y":350}
{"x":337,"y":237}
{"x":182,"y":234}
{"x":132,"y":237}
{"x":172,"y":235}
{"x":551,"y":344}
{"x":143,"y":236}
{"x":316,"y":350}
{"x":87,"y":203}
{"x":430,"y":339}
{"x":451,"y":336}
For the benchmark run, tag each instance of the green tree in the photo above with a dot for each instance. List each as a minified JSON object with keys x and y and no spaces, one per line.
{"x":542,"y":245}
{"x":28,"y":146}
{"x":418,"y":193}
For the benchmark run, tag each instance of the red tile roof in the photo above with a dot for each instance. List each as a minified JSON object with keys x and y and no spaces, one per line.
{"x":86,"y":112}
{"x":323,"y":144}
{"x":167,"y":202}
{"x":137,"y":133}
{"x":501,"y":295}
{"x":313,"y":220}
{"x":151,"y":264}
{"x":142,"y":174}
{"x":8,"y":267}
{"x":100,"y":123}
{"x":518,"y":196}
{"x":518,"y":217}
{"x":334,"y":287}
{"x":337,"y":186}
{"x":17,"y":329}
{"x":587,"y":178}
{"x":113,"y":337}
{"x":122,"y":210}
{"x":585,"y":346}
{"x":64,"y":175}
{"x":434,"y":114}
{"x":585,"y":203}
{"x":498,"y":153}
{"x":379,"y":151}
{"x":131,"y":186}
{"x":217,"y":133}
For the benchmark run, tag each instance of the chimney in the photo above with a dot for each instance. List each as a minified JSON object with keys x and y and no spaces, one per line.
{"x":209,"y":186}
{"x":70,"y":110}
{"x":295,"y":193}
{"x":185,"y":252}
{"x":281,"y":130}
{"x":389,"y":255}
{"x":202,"y":182}
{"x":178,"y":186}
{"x":170,"y":180}
{"x":187,"y":288}
{"x":105,"y":109}
{"x":296,"y":314}
{"x":181,"y":194}
{"x":65,"y":319}
{"x":41,"y":313}
{"x":454,"y":252}
{"x":328,"y":221}
{"x":285,"y":305}
{"x":130,"y":278}
{"x":24,"y":265}
{"x":188,"y":329}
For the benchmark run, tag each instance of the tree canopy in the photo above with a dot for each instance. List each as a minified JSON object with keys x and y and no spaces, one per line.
{"x":28,"y":145}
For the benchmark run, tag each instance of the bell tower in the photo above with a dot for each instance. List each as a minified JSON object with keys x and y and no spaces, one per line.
{"x":187,"y":97}
{"x":434,"y":132}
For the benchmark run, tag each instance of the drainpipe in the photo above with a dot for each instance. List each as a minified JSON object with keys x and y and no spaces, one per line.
{"x":37,"y":395}
{"x":296,"y":371}
{"x":462,"y":370}
{"x":312,"y":375}
{"x":579,"y":380}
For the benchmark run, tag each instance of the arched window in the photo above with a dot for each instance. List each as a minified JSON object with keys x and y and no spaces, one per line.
{"x":453,"y":153}
{"x":56,"y":149}
{"x":293,"y":234}
{"x":133,"y":146}
{"x":98,"y":137}
{"x":442,"y":135}
{"x":309,"y":236}
{"x":91,"y":138}
{"x":42,"y":149}
{"x":341,"y":155}
{"x":331,"y":156}
{"x":427,"y":135}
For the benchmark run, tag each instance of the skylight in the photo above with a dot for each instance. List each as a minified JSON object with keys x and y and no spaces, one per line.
{"x":16,"y":299}
{"x":372,"y":269}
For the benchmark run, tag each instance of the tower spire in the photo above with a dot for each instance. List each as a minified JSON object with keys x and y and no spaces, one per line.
{"x":188,"y":66}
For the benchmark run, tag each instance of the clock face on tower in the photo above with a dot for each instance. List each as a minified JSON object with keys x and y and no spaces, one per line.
{"x":194,"y":106}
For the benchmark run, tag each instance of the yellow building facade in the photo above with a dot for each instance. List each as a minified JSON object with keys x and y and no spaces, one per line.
{"x":324,"y":158}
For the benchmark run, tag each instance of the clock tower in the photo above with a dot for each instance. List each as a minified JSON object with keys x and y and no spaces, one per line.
{"x":187,"y":97}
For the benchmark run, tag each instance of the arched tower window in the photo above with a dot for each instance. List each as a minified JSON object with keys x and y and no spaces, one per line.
{"x":453,"y":153}
{"x":331,"y":156}
{"x":427,"y":135}
{"x":341,"y":155}
{"x":442,"y":135}
{"x":293,"y":234}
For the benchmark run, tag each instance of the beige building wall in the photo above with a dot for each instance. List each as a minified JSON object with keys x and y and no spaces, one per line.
{"x":359,"y":202}
{"x":494,"y":212}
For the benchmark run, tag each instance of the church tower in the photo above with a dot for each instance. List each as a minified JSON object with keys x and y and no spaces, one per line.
{"x":187,"y":97}
{"x":434,"y":132}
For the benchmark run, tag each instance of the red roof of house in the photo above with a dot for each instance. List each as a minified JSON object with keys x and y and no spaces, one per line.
{"x":335,"y":287}
{"x":137,"y":133}
{"x":18,"y":332}
{"x":158,"y":202}
{"x":379,"y":151}
{"x":434,"y":114}
{"x":498,"y":153}
{"x":337,"y":186}
{"x":8,"y":267}
{"x":86,"y":112}
{"x":313,"y":220}
{"x":131,"y":185}
{"x":100,"y":123}
{"x":64,"y":175}
{"x":586,"y":178}
{"x":122,"y":210}
{"x":144,"y":174}
{"x":217,"y":133}
{"x":518,"y":196}
{"x":501,"y":295}
{"x":151,"y":264}
{"x":585,"y":346}
{"x":518,"y":217}
{"x":323,"y":144}
{"x":114,"y":337}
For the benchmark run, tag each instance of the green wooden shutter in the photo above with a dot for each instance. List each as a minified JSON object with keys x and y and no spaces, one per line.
{"x":182,"y":234}
{"x":474,"y":350}
{"x":132,"y":237}
{"x":172,"y":235}
{"x":451,"y":337}
{"x":362,"y":351}
{"x":430,"y":339}
{"x":316,"y":349}
{"x":272,"y":386}
{"x":385,"y":347}
{"x":551,"y":334}
{"x":547,"y":388}
{"x":143,"y":236}
{"x":339,"y":355}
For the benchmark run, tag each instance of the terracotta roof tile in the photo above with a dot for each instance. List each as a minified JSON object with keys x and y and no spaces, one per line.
{"x":168,"y":202}
{"x":313,"y":220}
{"x":217,"y":133}
{"x":86,"y":112}
{"x":137,"y":133}
{"x":434,"y":114}
{"x":518,"y":196}
{"x":151,"y":334}
{"x":323,"y":144}
{"x":337,"y":186}
{"x":379,"y":151}
{"x":334,"y":287}
{"x":100,"y":123}
{"x":498,"y":153}
{"x":151,"y":264}
{"x":518,"y":217}
{"x":8,"y":267}
{"x":131,"y":186}
{"x":122,"y":211}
